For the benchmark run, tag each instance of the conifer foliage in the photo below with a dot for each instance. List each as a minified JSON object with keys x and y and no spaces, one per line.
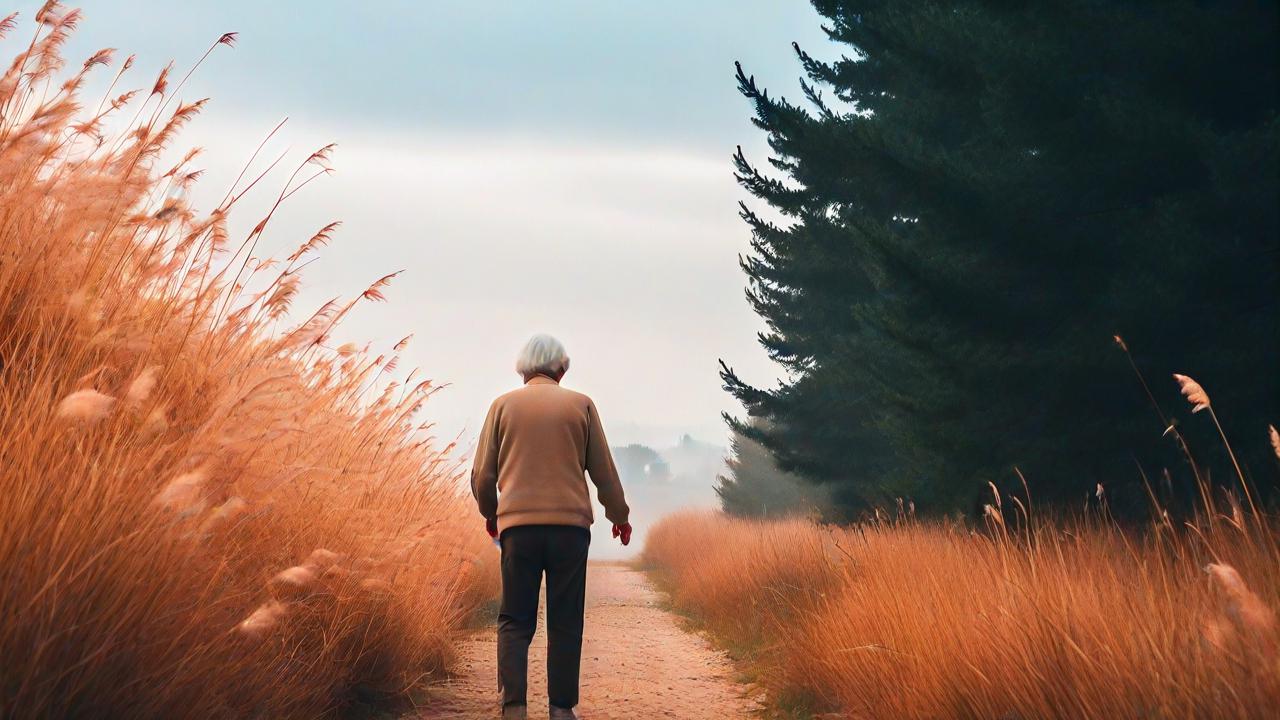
{"x":756,"y":488}
{"x":973,"y":201}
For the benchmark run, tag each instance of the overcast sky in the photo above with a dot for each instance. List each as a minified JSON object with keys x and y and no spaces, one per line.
{"x":558,"y":166}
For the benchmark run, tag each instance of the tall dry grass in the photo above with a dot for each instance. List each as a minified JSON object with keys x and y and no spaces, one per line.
{"x":924,"y":620}
{"x":205,"y":510}
{"x":898,"y":618}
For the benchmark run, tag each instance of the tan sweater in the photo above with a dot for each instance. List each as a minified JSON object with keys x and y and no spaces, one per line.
{"x":533,"y":449}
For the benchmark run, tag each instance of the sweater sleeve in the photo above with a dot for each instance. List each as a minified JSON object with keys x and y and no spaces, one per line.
{"x":602,"y":470}
{"x":484,"y":468}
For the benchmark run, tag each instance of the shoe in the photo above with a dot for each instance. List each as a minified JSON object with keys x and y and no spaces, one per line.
{"x":515,"y":711}
{"x":559,"y":713}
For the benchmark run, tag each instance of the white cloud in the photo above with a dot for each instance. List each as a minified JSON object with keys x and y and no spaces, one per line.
{"x":628,"y":253}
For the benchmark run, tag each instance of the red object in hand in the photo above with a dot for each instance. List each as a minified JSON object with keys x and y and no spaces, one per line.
{"x":623,"y":532}
{"x":491,"y":527}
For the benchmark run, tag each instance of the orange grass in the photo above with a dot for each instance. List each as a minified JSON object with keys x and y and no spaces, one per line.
{"x":204,"y":510}
{"x":929,"y":620}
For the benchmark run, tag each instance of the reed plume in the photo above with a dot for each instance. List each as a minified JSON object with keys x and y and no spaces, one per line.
{"x":86,"y":405}
{"x":1199,"y":400}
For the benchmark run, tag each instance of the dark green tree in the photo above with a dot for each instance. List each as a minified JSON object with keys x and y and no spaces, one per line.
{"x":755,"y":487}
{"x":974,"y":199}
{"x":641,"y":464}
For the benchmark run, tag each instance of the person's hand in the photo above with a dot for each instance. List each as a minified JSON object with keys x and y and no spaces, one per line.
{"x":491,"y":527}
{"x":623,"y":533}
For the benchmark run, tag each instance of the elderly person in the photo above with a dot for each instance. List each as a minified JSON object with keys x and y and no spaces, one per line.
{"x":536,"y":443}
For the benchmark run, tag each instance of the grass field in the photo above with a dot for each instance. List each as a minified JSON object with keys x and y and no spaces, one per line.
{"x":912,"y":619}
{"x":207,"y":509}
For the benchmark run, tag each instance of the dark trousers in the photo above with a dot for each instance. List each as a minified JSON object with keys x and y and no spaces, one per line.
{"x":527,"y":551}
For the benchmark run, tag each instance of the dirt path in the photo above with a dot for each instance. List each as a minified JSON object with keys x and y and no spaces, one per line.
{"x":636,"y":663}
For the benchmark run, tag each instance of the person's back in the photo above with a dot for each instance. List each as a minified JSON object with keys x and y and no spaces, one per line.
{"x":535,"y":444}
{"x":528,"y":481}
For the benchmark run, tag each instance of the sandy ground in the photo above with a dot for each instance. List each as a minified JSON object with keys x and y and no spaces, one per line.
{"x":636,"y":663}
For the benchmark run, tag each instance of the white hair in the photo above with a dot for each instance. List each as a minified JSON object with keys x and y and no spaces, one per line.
{"x":543,"y":355}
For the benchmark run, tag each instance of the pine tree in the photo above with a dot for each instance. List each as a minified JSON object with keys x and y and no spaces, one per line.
{"x":755,"y":487}
{"x":974,"y":202}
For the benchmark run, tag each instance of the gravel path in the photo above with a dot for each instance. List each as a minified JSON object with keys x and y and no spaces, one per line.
{"x":636,"y":663}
